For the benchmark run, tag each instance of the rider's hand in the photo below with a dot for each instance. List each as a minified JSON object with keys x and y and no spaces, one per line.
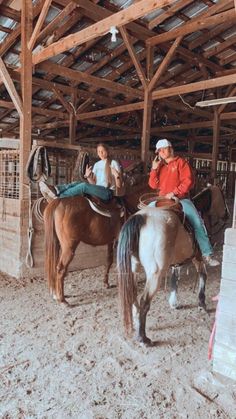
{"x":88,"y":171}
{"x":157,"y":163}
{"x":170,"y":195}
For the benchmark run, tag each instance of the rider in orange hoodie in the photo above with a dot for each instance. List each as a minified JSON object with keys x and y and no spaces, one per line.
{"x":172,"y":176}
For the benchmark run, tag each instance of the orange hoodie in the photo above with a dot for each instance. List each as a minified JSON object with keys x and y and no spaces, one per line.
{"x":176,"y":177}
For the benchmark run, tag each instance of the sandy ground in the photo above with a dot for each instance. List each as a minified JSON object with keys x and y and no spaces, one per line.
{"x":73,"y":362}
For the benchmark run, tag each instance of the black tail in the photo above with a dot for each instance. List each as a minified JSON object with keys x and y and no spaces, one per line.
{"x":128,"y":245}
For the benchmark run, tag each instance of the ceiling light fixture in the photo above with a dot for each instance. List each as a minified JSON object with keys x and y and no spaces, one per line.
{"x":213,"y":102}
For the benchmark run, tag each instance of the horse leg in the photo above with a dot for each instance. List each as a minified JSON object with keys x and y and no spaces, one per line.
{"x":202,"y":286}
{"x":109,"y":263}
{"x":66,"y":257}
{"x":173,"y":302}
{"x":144,"y":306}
{"x":201,"y":270}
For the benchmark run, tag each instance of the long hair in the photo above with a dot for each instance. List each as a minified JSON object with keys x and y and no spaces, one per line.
{"x":107,"y":165}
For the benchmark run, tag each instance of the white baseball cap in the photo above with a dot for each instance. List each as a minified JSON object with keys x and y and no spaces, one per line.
{"x":163,"y":143}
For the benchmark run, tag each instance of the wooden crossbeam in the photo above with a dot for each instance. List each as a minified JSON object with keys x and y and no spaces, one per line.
{"x":56,"y":22}
{"x":134,"y":57}
{"x":168,"y":13}
{"x":11,"y":88}
{"x":39,"y":23}
{"x":194,"y":87}
{"x":60,"y":97}
{"x":164,"y":64}
{"x":100,"y":28}
{"x":193,"y":27}
{"x":80,"y":77}
{"x":111,"y":111}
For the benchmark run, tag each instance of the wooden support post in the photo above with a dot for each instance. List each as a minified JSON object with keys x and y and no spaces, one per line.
{"x":26,"y":83}
{"x":25,"y":129}
{"x":147,"y":112}
{"x":216,"y":134}
{"x":72,"y":119}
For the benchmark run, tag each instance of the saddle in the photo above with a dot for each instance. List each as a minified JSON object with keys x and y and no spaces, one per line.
{"x":176,"y":207}
{"x":107,"y":209}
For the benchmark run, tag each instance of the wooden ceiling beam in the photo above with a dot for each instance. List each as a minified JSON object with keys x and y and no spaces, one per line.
{"x":100,"y":28}
{"x":39,"y":24}
{"x":111,"y":111}
{"x":221,"y":47}
{"x":60,"y":97}
{"x":231,"y":92}
{"x":208,"y":35}
{"x":193,"y":27}
{"x":169,"y":12}
{"x":164,"y":64}
{"x":82,"y":77}
{"x":194,"y":87}
{"x":133,"y":56}
{"x":97,"y":12}
{"x":11,"y":88}
{"x":55,"y":24}
{"x":10,"y":12}
{"x":12,"y":38}
{"x":111,"y":125}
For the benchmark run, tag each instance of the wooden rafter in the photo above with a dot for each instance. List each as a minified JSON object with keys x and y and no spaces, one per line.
{"x":11,"y":88}
{"x":118,"y":19}
{"x":60,"y":97}
{"x":39,"y":23}
{"x":193,"y":27}
{"x":80,"y":77}
{"x":164,"y":64}
{"x":133,"y":56}
{"x":194,"y":87}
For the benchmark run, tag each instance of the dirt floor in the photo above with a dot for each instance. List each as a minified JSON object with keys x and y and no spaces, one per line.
{"x":73,"y":362}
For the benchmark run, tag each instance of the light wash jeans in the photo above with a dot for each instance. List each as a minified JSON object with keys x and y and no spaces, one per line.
{"x":197,"y":224}
{"x":81,"y":188}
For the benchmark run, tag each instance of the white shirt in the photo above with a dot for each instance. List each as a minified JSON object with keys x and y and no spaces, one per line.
{"x":99,"y":172}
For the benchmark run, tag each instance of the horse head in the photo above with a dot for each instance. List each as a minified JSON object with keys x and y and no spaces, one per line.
{"x":219,"y":208}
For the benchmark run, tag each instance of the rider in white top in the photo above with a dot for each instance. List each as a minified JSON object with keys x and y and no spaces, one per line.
{"x":100,"y":173}
{"x":103,"y":179}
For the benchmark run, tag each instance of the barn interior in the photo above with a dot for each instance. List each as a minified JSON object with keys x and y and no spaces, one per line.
{"x":126,"y":73}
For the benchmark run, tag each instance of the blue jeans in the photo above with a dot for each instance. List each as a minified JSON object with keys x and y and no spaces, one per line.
{"x":197,"y":224}
{"x":76,"y":188}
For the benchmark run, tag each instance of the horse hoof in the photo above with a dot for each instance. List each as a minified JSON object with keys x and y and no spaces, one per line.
{"x":202,"y":307}
{"x":144,"y":340}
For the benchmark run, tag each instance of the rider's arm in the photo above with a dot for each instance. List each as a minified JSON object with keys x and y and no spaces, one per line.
{"x":154,"y":174}
{"x":186,"y":179}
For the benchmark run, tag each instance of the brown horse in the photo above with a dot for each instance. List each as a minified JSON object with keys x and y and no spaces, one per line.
{"x":69,"y":221}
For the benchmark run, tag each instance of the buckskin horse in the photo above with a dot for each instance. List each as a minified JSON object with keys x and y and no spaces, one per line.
{"x":157,"y":239}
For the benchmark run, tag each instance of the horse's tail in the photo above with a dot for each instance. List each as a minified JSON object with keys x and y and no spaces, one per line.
{"x":128,"y":245}
{"x":52,"y":246}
